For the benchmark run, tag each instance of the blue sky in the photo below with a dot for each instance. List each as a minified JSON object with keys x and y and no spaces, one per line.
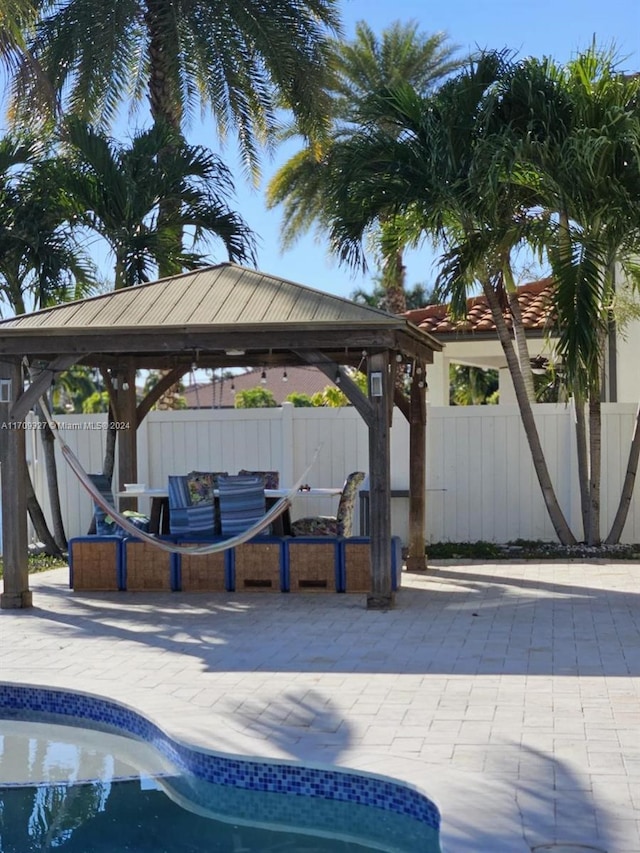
{"x":557,"y":28}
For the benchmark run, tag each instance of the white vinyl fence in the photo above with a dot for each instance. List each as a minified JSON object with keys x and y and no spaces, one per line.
{"x":480,"y":479}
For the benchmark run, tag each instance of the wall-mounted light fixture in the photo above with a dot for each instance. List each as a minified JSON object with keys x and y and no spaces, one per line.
{"x":376,"y":387}
{"x":6,"y":389}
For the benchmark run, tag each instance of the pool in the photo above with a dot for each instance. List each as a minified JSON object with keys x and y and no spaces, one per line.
{"x":80,"y":773}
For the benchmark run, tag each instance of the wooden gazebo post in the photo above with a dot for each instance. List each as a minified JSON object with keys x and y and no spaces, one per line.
{"x":13,"y":467}
{"x":416,"y":559}
{"x":380,"y":389}
{"x":126,"y":416}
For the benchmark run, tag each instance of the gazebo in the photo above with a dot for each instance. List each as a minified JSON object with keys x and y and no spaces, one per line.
{"x":216,"y":317}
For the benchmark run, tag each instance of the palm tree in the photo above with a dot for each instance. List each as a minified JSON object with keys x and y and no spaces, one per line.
{"x":40,"y":264}
{"x":427,"y":165}
{"x":575,"y":130}
{"x":416,"y":296}
{"x":240,"y":60}
{"x":364,"y":66}
{"x":40,"y":261}
{"x":118,"y":192}
{"x":72,"y":387}
{"x":505,"y":154}
{"x":17,"y":18}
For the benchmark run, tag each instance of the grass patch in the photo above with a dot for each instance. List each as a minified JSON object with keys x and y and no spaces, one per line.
{"x":464,"y":550}
{"x":525,"y":549}
{"x":41,"y":563}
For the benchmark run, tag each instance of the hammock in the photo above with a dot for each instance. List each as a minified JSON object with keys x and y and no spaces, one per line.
{"x":210,"y":548}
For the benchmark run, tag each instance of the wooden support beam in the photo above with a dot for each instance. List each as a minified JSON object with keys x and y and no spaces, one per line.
{"x":183,"y":341}
{"x":163,"y":385}
{"x":347,"y":385}
{"x":13,"y":464}
{"x":416,"y":560}
{"x":126,"y":424}
{"x":381,"y":596}
{"x":42,"y":379}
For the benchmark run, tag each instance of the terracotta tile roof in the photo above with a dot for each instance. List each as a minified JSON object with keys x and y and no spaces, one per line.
{"x":218,"y":394}
{"x":534,"y":299}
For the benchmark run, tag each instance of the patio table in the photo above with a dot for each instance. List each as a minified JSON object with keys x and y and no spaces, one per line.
{"x":159,"y":514}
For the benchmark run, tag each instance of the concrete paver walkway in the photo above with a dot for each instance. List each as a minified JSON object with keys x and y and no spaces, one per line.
{"x":508,"y":692}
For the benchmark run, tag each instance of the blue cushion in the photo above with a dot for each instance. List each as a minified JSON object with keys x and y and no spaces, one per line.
{"x":242,"y":503}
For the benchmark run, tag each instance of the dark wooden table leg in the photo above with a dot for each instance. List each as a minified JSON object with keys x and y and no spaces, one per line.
{"x":159,"y":517}
{"x":281,"y":526}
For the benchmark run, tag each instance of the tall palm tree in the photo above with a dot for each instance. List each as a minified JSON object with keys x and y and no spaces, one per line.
{"x":575,"y":130}
{"x":363,"y":67}
{"x":118,"y":191}
{"x":427,"y":165}
{"x":40,"y":264}
{"x":242,"y":61}
{"x":416,"y":296}
{"x":507,"y":154}
{"x":239,"y":60}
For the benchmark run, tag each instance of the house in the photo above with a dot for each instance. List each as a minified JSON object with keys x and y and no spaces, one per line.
{"x":221,"y":392}
{"x":474,"y":342}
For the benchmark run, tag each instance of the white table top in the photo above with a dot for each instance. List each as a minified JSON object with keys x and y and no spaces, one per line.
{"x":269,"y":493}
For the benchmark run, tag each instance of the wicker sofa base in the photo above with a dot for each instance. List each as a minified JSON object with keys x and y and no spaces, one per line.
{"x":203,"y":572}
{"x":313,"y":565}
{"x":146,"y":568}
{"x":294,"y":565}
{"x":356,"y":564}
{"x":257,"y":567}
{"x":94,"y":563}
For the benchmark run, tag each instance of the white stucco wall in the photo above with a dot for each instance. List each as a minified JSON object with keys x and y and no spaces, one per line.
{"x":485,"y":354}
{"x":628,"y":363}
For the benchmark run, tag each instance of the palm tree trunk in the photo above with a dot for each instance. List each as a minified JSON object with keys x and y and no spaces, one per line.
{"x":583,"y":463}
{"x":109,"y":461}
{"x":39,"y":521}
{"x":595,"y":466}
{"x":164,"y":101}
{"x":519,"y":333}
{"x":49,"y":455}
{"x":627,"y":487}
{"x":165,"y":109}
{"x":556,"y":515}
{"x":393,"y":280}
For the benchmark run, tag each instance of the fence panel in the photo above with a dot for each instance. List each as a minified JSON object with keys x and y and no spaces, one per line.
{"x":480,"y":479}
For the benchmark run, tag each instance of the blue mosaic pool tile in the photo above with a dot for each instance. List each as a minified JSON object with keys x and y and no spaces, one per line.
{"x":250,"y":775}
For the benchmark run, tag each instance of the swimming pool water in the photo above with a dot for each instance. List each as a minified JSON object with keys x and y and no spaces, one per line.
{"x":88,"y":818}
{"x":80,"y":790}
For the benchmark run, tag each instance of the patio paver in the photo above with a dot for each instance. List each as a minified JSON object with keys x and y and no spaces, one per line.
{"x":508,"y":692}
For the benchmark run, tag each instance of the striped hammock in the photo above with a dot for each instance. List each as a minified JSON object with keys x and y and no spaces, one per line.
{"x":162,"y":544}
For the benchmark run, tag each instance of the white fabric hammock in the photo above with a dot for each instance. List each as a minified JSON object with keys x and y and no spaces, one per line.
{"x":162,"y":544}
